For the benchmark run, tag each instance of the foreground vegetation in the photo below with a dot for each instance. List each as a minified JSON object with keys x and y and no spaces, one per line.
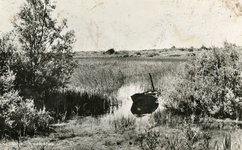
{"x":132,"y":133}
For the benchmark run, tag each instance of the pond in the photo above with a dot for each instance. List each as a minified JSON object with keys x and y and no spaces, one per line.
{"x":124,"y":95}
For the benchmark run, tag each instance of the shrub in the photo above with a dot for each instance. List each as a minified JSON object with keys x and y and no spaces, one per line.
{"x":110,"y":51}
{"x":211,"y":85}
{"x":20,"y":115}
{"x":138,"y":53}
{"x":204,"y":48}
{"x":27,"y":120}
{"x":173,"y":47}
{"x":191,"y":49}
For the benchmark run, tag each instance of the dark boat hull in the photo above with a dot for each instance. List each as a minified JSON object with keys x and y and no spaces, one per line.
{"x":144,"y":103}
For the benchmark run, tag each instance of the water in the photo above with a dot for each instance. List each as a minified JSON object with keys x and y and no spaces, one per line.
{"x":124,"y":96}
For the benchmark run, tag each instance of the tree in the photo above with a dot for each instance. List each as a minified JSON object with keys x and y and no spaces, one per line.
{"x":45,"y":57}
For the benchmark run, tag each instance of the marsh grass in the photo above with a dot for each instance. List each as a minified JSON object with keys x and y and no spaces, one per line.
{"x":95,"y":83}
{"x":189,"y":132}
{"x":188,"y":137}
{"x":161,"y":118}
{"x":68,"y":104}
{"x":107,"y":75}
{"x":123,"y":123}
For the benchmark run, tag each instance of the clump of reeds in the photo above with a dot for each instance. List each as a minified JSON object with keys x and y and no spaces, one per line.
{"x":123,"y":123}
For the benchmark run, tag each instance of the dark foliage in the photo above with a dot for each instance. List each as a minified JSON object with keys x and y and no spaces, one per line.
{"x":70,"y":103}
{"x":45,"y":61}
{"x":110,"y":51}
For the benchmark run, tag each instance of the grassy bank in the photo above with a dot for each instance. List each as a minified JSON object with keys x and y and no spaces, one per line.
{"x":127,"y":133}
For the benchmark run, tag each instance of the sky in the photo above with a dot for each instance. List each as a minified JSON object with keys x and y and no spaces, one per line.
{"x":143,"y":24}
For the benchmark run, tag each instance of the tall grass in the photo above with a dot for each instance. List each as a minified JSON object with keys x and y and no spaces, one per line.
{"x":95,"y":83}
{"x":188,"y":137}
{"x":105,"y":76}
{"x":123,"y":123}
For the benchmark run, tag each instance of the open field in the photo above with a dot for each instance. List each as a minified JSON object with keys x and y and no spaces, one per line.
{"x":114,"y":80}
{"x":155,"y":53}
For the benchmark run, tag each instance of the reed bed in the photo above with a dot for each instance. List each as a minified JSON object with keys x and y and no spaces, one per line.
{"x":108,"y":75}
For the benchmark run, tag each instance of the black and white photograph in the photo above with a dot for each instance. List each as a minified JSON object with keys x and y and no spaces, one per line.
{"x":121,"y":75}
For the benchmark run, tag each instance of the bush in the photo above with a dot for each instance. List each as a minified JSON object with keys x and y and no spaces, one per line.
{"x":191,"y":49}
{"x":211,"y":85}
{"x":26,"y":119}
{"x":173,"y":47}
{"x":110,"y":51}
{"x":21,"y":115}
{"x":138,"y":53}
{"x":204,"y":48}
